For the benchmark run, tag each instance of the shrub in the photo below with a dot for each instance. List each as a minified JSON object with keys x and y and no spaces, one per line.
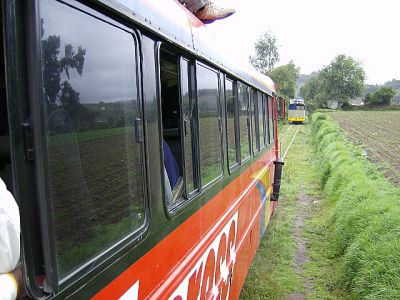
{"x":380,"y":97}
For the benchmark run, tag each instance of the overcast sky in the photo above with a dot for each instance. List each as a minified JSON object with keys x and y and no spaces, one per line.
{"x":313,"y":32}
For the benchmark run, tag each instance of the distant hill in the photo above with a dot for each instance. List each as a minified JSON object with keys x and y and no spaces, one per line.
{"x":303,"y":78}
{"x":394,"y":83}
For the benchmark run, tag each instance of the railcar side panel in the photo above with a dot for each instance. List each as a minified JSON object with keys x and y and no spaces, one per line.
{"x":214,"y":245}
{"x":204,"y":244}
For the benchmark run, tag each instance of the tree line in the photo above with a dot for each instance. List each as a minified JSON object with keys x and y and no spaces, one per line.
{"x":342,"y":80}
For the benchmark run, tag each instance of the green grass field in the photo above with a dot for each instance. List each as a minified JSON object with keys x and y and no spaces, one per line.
{"x":272,"y":274}
{"x":351,"y":231}
{"x":95,"y":186}
{"x":363,"y":212}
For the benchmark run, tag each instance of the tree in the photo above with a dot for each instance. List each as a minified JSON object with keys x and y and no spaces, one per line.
{"x":312,"y":93}
{"x":310,"y":89}
{"x":57,"y":93}
{"x":69,"y":98}
{"x":285,"y":78}
{"x":380,"y":97}
{"x":53,"y":66}
{"x":342,"y":80}
{"x":266,"y":53}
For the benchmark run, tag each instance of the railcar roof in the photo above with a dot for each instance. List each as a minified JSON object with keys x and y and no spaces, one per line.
{"x":174,"y":22}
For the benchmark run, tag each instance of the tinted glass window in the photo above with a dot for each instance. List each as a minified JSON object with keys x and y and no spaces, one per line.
{"x":266,"y":119}
{"x":94,"y":173}
{"x":243,"y":108}
{"x":254,"y":123}
{"x":189,"y":123}
{"x":209,"y":133}
{"x":271,"y":120}
{"x":231,"y":120}
{"x":261,"y":118}
{"x":171,"y":125}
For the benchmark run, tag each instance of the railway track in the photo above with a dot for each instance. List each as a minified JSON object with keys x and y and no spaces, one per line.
{"x":288,"y":138}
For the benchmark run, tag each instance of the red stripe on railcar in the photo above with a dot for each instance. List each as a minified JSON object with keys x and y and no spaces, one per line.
{"x":191,"y":256}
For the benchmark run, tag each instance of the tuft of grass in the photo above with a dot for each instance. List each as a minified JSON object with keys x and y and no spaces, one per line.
{"x":322,"y":268}
{"x":272,"y":275}
{"x":363,"y":216}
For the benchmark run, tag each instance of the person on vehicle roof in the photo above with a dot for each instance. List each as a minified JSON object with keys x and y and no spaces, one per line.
{"x":206,"y":10}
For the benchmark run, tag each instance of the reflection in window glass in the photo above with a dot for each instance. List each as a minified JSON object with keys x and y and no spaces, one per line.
{"x":254,"y":123}
{"x":209,"y":134}
{"x":261,"y":118}
{"x":189,"y":118}
{"x":93,"y":162}
{"x":243,"y":108}
{"x":231,"y":120}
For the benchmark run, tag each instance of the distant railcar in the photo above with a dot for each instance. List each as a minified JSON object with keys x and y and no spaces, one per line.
{"x":297,"y":112}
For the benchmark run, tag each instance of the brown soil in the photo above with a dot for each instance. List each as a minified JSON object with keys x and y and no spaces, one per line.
{"x":379,"y":134}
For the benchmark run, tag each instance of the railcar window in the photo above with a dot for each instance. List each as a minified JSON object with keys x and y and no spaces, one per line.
{"x":93,"y":164}
{"x":171,"y":123}
{"x":266,"y":119}
{"x":254,"y":124}
{"x":209,"y":124}
{"x":180,"y":122}
{"x":190,"y":124}
{"x":231,"y":122}
{"x":243,"y":108}
{"x":271,"y":120}
{"x":261,"y":113}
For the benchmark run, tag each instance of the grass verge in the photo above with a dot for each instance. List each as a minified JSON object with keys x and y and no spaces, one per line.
{"x":272,"y":274}
{"x":360,"y":227}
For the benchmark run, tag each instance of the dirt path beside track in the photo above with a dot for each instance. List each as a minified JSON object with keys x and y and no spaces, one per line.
{"x":304,"y":205}
{"x":290,"y":263}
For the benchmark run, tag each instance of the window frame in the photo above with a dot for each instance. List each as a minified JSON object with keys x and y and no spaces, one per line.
{"x":248,"y":125}
{"x":186,"y":198}
{"x":106,"y":256}
{"x":171,"y":210}
{"x":236,"y":165}
{"x":266,"y":120}
{"x":255,"y":136}
{"x":220,"y":126}
{"x":195,"y":137}
{"x":270,"y":114}
{"x":260,"y":96}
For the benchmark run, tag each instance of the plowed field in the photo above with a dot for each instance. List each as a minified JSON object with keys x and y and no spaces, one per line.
{"x":379,"y":133}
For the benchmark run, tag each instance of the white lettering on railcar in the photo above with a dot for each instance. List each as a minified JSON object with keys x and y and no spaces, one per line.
{"x":132,"y":293}
{"x":216,"y":264}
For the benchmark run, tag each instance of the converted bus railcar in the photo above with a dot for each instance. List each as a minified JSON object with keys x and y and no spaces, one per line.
{"x":296,"y":112}
{"x":141,"y":159}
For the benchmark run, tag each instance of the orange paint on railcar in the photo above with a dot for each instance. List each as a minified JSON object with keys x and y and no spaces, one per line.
{"x":210,"y":253}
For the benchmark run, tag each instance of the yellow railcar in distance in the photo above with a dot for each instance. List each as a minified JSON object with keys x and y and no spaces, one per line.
{"x":296,"y":112}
